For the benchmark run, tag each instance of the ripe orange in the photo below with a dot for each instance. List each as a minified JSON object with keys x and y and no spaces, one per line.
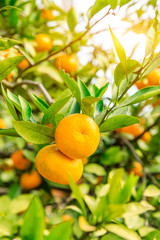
{"x":66,"y":218}
{"x":142,"y":83}
{"x":77,"y":136}
{"x":48,"y":14}
{"x":55,"y":166}
{"x":137,"y":169}
{"x":67,"y":62}
{"x":10,"y":77}
{"x":154,"y":77}
{"x":30,"y":180}
{"x":44,"y":42}
{"x":134,"y":130}
{"x":146,"y":137}
{"x":85,"y":161}
{"x":24,"y":64}
{"x":19,"y":161}
{"x":2,"y":124}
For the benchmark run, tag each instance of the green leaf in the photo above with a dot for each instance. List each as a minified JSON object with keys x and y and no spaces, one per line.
{"x":9,"y":132}
{"x":78,"y":195}
{"x":73,"y":108}
{"x":113,"y":3}
{"x":119,"y":49}
{"x":95,"y":169}
{"x":122,"y":231}
{"x":43,"y":106}
{"x":100,"y":116}
{"x":83,"y":88}
{"x":8,"y":8}
{"x":8,"y":64}
{"x":118,"y":121}
{"x":26,"y":109}
{"x":102,"y":91}
{"x":9,"y":104}
{"x":111,"y":236}
{"x":123,"y":2}
{"x":115,"y":185}
{"x":6,"y":43}
{"x":137,"y":208}
{"x":153,"y":64}
{"x":71,"y":84}
{"x":98,"y":5}
{"x":34,"y":133}
{"x":14,"y":100}
{"x":72,"y":19}
{"x":20,"y":203}
{"x":53,"y":109}
{"x":61,"y":232}
{"x":150,"y":41}
{"x":87,"y":104}
{"x":34,"y":221}
{"x":151,"y":191}
{"x":140,"y":96}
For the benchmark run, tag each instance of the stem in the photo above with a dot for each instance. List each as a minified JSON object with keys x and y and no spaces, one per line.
{"x":62,"y":49}
{"x":31,"y":83}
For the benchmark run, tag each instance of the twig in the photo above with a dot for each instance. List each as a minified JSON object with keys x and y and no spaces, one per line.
{"x":64,"y":48}
{"x":147,"y":129}
{"x":31,"y":83}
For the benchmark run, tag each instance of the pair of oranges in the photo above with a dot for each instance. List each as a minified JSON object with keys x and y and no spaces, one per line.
{"x":28,"y":180}
{"x":152,"y":79}
{"x":77,"y":137}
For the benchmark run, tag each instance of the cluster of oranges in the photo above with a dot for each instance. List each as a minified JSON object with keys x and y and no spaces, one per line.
{"x":135,"y":130}
{"x":152,"y":79}
{"x":28,"y":180}
{"x":77,"y":137}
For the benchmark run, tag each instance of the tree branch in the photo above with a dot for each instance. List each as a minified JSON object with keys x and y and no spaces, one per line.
{"x":64,"y":48}
{"x":31,"y":83}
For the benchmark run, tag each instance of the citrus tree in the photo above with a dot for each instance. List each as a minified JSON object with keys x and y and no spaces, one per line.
{"x":76,"y":163}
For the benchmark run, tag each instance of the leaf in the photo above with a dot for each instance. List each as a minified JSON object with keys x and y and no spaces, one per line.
{"x":43,"y":106}
{"x":53,"y":109}
{"x":6,"y":43}
{"x":102,"y":90}
{"x":140,"y":96}
{"x":119,"y":49}
{"x":8,"y":8}
{"x":34,"y":133}
{"x":122,"y":231}
{"x":113,"y":3}
{"x":83,"y":88}
{"x":61,"y":232}
{"x":73,"y":108}
{"x":14,"y":100}
{"x":26,"y":109}
{"x":153,"y":64}
{"x":77,"y":194}
{"x":98,"y":5}
{"x":20,"y":203}
{"x":34,"y":221}
{"x":8,"y":64}
{"x":71,"y":84}
{"x":151,"y":191}
{"x":85,"y":226}
{"x":95,"y":169}
{"x":87,"y":104}
{"x":150,"y":41}
{"x":9,"y":104}
{"x":118,"y":121}
{"x":9,"y":132}
{"x":111,"y":236}
{"x":72,"y":19}
{"x":137,"y":208}
{"x":123,"y":2}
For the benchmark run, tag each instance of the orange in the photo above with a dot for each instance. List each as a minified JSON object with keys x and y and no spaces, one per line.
{"x":48,"y":14}
{"x":137,"y":169}
{"x":19,"y":161}
{"x":156,"y":103}
{"x":30,"y":180}
{"x":55,"y":166}
{"x":154,"y":77}
{"x":24,"y":64}
{"x":66,"y":218}
{"x":10,"y":77}
{"x":85,"y":161}
{"x":134,"y":130}
{"x":5,"y":53}
{"x":146,"y":137}
{"x":44,"y":42}
{"x":2,"y":124}
{"x":77,"y":136}
{"x":69,"y":63}
{"x":142,"y":84}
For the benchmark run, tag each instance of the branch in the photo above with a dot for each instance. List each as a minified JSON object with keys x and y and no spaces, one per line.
{"x":64,"y":48}
{"x":31,"y":83}
{"x":147,"y":129}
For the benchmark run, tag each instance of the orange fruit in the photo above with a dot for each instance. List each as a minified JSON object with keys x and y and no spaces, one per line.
{"x":44,"y":42}
{"x":69,"y":63}
{"x":142,"y":84}
{"x":5,"y":53}
{"x":10,"y":77}
{"x":156,"y":103}
{"x":55,"y":166}
{"x":30,"y":180}
{"x":137,"y":169}
{"x":85,"y":161}
{"x":2,"y":124}
{"x":48,"y":14}
{"x":19,"y":161}
{"x":77,"y":136}
{"x":66,"y":218}
{"x":154,"y":77}
{"x":24,"y":64}
{"x":134,"y":130}
{"x":146,"y":137}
